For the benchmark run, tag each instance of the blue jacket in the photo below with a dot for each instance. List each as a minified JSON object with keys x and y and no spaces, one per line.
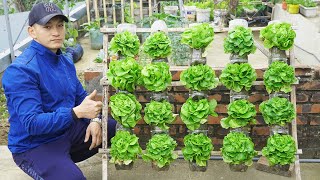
{"x":41,"y":88}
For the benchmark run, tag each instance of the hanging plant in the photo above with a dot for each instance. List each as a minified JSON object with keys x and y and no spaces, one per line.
{"x":197,"y":148}
{"x":124,"y":74}
{"x":280,"y":149}
{"x":277,"y":111}
{"x":237,"y":148}
{"x":125,"y":43}
{"x":199,"y":36}
{"x":125,"y":109}
{"x":199,"y":77}
{"x":194,"y":113}
{"x":157,"y":45}
{"x":237,"y":77}
{"x":158,"y":114}
{"x":278,"y":77}
{"x":240,"y":113}
{"x":280,"y":35}
{"x":239,"y":41}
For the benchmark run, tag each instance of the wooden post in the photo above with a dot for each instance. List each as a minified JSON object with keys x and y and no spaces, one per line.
{"x":88,"y":10}
{"x":141,"y":12}
{"x":114,"y":11}
{"x":96,"y":8}
{"x":122,"y":11}
{"x":132,"y":9}
{"x":150,"y":8}
{"x":105,"y":12}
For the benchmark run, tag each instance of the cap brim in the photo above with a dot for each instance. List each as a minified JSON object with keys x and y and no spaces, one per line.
{"x":47,"y":18}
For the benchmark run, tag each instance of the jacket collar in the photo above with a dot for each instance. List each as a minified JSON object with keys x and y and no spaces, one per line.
{"x":43,"y":51}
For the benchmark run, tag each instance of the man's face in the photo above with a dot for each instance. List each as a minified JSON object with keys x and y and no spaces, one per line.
{"x":50,"y":35}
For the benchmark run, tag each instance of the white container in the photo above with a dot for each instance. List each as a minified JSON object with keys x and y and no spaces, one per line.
{"x":127,"y":27}
{"x":190,"y":12}
{"x":159,"y":25}
{"x":173,"y":10}
{"x":274,"y":21}
{"x":308,"y":11}
{"x":237,"y":22}
{"x":203,"y":15}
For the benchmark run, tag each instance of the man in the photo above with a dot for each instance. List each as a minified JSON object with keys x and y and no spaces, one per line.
{"x":49,"y":110}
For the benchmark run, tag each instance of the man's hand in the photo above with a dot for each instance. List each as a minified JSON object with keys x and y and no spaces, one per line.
{"x":94,"y":130}
{"x":88,"y":108}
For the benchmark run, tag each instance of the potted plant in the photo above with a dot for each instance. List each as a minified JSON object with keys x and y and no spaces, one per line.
{"x":125,"y":44}
{"x":293,"y":6}
{"x":284,"y":5}
{"x":124,"y":150}
{"x":279,"y":77}
{"x":96,"y":37}
{"x":197,"y":150}
{"x":238,"y":151}
{"x":239,"y":43}
{"x":195,"y":112}
{"x":159,"y":114}
{"x":199,"y":77}
{"x":278,"y":37}
{"x":204,"y":11}
{"x":158,"y":46}
{"x":124,"y":74}
{"x":238,"y":77}
{"x":159,"y":151}
{"x":280,"y":151}
{"x":125,"y":109}
{"x":198,"y":37}
{"x":308,"y":8}
{"x":155,"y":76}
{"x":70,"y":45}
{"x":240,"y":113}
{"x":277,"y":112}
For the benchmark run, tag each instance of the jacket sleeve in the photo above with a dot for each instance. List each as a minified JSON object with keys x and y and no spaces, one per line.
{"x":23,"y":98}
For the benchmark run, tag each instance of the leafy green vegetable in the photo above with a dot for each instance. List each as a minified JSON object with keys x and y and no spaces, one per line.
{"x":193,"y":113}
{"x":160,"y":150}
{"x":199,"y":36}
{"x":278,"y":77}
{"x":280,"y":35}
{"x":197,"y":148}
{"x":124,"y":74}
{"x":277,"y":111}
{"x":156,"y":76}
{"x":125,"y":109}
{"x":125,"y":43}
{"x":238,"y":76}
{"x":241,"y":112}
{"x":157,"y":45}
{"x":199,"y":77}
{"x":238,"y":148}
{"x":280,"y":149}
{"x":124,"y":148}
{"x":239,"y":41}
{"x":158,"y":114}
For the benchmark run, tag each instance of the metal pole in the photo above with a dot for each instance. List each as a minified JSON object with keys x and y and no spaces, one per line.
{"x":5,"y":7}
{"x":67,"y":8}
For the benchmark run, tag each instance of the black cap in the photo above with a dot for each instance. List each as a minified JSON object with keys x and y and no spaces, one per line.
{"x":42,"y":13}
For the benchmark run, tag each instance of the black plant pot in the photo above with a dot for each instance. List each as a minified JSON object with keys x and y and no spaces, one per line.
{"x":238,"y":167}
{"x":194,"y":167}
{"x":75,"y":52}
{"x":124,"y":167}
{"x":157,"y":168}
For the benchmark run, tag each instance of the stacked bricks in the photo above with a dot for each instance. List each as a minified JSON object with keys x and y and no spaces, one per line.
{"x":308,"y":110}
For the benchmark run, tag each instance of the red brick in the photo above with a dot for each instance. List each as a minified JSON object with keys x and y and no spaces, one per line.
{"x":305,"y":71}
{"x":259,"y":73}
{"x":315,"y":108}
{"x":257,"y":97}
{"x":261,"y":131}
{"x":214,"y":120}
{"x":178,"y":108}
{"x":142,"y":98}
{"x":178,"y":120}
{"x":136,"y":130}
{"x":302,"y":119}
{"x":315,"y":97}
{"x":182,"y":129}
{"x":216,"y":142}
{"x":311,"y":85}
{"x":217,"y":97}
{"x":302,"y":97}
{"x":299,"y":108}
{"x":180,"y":88}
{"x":179,"y":97}
{"x":221,"y":108}
{"x":315,"y":122}
{"x":89,"y":75}
{"x":176,"y":75}
{"x":173,"y":131}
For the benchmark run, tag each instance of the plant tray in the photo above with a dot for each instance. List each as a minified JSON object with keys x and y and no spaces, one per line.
{"x":308,"y":11}
{"x":263,"y":165}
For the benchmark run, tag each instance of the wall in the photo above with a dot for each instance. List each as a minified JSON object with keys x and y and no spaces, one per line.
{"x":308,"y":111}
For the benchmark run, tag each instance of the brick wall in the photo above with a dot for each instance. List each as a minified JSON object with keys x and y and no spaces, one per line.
{"x":308,"y":111}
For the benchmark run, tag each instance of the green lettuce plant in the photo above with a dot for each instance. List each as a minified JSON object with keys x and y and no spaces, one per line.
{"x":240,"y":113}
{"x":125,"y":43}
{"x":124,"y":74}
{"x":125,"y":109}
{"x":199,"y":36}
{"x":194,"y":113}
{"x":237,"y":148}
{"x":199,"y":77}
{"x":160,"y":150}
{"x":155,"y":76}
{"x":277,"y":111}
{"x":278,"y":77}
{"x":197,"y":148}
{"x":280,"y":150}
{"x":157,"y":45}
{"x":158,"y":114}
{"x":280,"y":35}
{"x":237,"y":77}
{"x":125,"y":148}
{"x":239,"y":41}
